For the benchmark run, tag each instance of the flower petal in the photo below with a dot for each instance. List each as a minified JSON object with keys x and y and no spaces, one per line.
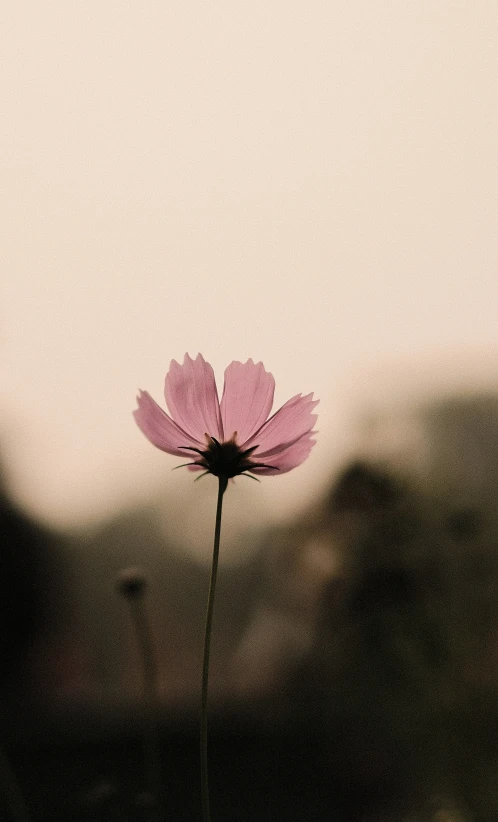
{"x":160,"y":429}
{"x":289,"y":458}
{"x":247,"y":399}
{"x":192,"y":398}
{"x":284,"y":428}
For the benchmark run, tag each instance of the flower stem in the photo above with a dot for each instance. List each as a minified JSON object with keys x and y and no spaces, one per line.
{"x":223,"y":482}
{"x":151,"y":741}
{"x":131,"y":584}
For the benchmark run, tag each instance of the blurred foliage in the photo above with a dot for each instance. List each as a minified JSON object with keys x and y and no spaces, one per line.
{"x":368,"y":624}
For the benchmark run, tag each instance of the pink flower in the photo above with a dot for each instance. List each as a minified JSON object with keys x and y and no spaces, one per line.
{"x":233,"y":436}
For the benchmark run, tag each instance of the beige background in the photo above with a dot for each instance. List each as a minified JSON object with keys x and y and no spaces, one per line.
{"x":310,"y":184}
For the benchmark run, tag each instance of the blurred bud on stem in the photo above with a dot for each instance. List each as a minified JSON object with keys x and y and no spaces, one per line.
{"x":131,"y":583}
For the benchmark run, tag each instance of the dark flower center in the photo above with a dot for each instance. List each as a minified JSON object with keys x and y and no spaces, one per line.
{"x":225,"y":459}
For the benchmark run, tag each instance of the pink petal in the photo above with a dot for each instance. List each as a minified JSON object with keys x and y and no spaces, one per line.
{"x":160,"y":429}
{"x":192,"y":398}
{"x":284,"y":428}
{"x":247,"y":399}
{"x":288,"y":459}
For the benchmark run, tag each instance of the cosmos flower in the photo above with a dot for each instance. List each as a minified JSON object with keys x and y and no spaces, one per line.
{"x":234,"y":436}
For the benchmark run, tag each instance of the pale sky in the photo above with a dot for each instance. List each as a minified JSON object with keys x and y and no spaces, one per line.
{"x":309,"y":184}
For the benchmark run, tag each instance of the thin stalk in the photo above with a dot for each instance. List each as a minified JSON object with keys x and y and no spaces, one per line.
{"x":152,"y":755}
{"x":131,"y":584}
{"x":223,"y":482}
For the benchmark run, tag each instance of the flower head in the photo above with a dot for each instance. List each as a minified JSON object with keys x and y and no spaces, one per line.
{"x":234,"y":436}
{"x":131,"y":583}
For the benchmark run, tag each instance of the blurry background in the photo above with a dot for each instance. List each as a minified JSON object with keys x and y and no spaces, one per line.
{"x":311,"y":185}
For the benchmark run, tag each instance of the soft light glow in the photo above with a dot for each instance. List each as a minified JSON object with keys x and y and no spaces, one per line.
{"x":310,"y":185}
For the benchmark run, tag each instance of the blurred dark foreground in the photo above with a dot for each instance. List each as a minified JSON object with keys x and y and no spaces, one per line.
{"x":255,"y":773}
{"x":354,"y":666}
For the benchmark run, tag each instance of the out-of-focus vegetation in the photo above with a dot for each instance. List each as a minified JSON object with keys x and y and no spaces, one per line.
{"x":366,"y":628}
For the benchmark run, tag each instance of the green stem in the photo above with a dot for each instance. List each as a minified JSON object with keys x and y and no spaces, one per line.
{"x":223,"y":482}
